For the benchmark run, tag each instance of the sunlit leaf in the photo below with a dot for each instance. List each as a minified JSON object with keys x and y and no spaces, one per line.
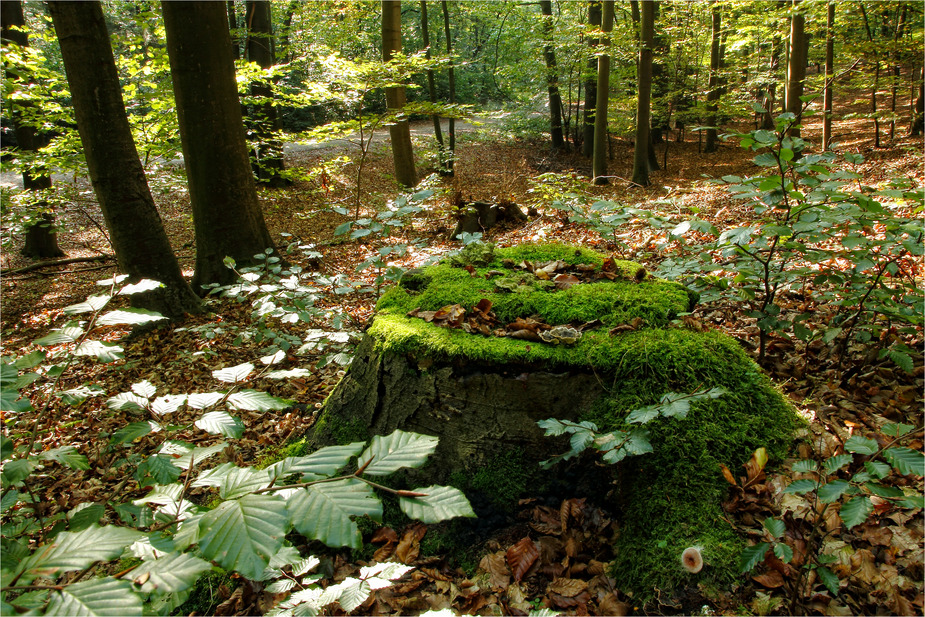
{"x":170,"y":573}
{"x":254,"y":400}
{"x":244,"y":533}
{"x":128,"y":316}
{"x":76,"y":550}
{"x":396,"y":451}
{"x":234,"y":374}
{"x":323,"y":511}
{"x":100,"y":596}
{"x":861,"y":445}
{"x":441,"y":503}
{"x":221,"y":423}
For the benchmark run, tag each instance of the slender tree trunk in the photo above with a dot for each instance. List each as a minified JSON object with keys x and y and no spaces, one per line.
{"x":900,"y":24}
{"x":431,"y":86}
{"x":283,"y":51}
{"x":918,"y":119}
{"x":135,"y":228}
{"x":829,"y":74}
{"x":594,"y":19}
{"x":451,"y":74}
{"x":876,"y":85}
{"x":399,"y":132}
{"x":552,"y":78}
{"x":713,"y":94}
{"x":41,"y":238}
{"x":226,"y":210}
{"x":267,"y":149}
{"x":644,"y":90}
{"x":599,"y":160}
{"x":796,"y":69}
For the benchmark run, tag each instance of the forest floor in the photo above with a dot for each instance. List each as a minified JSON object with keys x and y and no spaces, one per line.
{"x":882,"y":560}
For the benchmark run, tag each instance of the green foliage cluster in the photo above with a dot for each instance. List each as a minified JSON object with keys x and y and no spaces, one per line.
{"x":173,"y":539}
{"x":847,"y":482}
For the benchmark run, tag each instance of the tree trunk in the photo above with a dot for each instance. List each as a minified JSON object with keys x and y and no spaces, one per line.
{"x":873,"y":90}
{"x":283,"y":51}
{"x":917,"y":126}
{"x":587,"y":144}
{"x":900,"y":24}
{"x":796,"y":70}
{"x":829,"y":75}
{"x":233,"y":25}
{"x":451,"y":74}
{"x":41,"y":238}
{"x":599,"y":161}
{"x":713,"y":94}
{"x":644,"y":90}
{"x":552,"y":78}
{"x":267,"y":149}
{"x":432,"y":87}
{"x":137,"y":235}
{"x":399,"y":132}
{"x":226,"y":211}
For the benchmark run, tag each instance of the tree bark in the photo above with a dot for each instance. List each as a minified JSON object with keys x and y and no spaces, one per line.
{"x":552,"y":78}
{"x":267,"y":149}
{"x":918,"y":119}
{"x":137,"y":235}
{"x":432,"y":87}
{"x":451,"y":75}
{"x":829,"y":75}
{"x":233,"y":25}
{"x":599,"y":160}
{"x":644,"y":91}
{"x":796,"y":69}
{"x":41,"y":238}
{"x":587,"y":143}
{"x":399,"y":132}
{"x":713,"y":94}
{"x":226,"y":211}
{"x":873,"y":90}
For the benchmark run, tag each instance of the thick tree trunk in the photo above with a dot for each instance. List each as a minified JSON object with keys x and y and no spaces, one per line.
{"x":137,"y":235}
{"x":399,"y":132}
{"x":829,"y":75}
{"x":451,"y":75}
{"x":599,"y":161}
{"x":796,"y":69}
{"x":41,"y":238}
{"x":644,"y":91}
{"x":552,"y":78}
{"x":587,"y":143}
{"x":267,"y":149}
{"x":226,"y":211}
{"x":713,"y":94}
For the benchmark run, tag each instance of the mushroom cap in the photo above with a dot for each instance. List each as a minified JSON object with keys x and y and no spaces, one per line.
{"x":692,"y":560}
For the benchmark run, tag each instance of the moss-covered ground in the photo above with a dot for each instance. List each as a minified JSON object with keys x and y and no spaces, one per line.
{"x":669,"y":499}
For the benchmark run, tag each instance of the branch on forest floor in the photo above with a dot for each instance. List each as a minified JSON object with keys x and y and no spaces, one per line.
{"x":57,"y":262}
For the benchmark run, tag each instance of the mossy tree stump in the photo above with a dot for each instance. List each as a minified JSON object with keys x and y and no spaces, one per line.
{"x":433,"y":371}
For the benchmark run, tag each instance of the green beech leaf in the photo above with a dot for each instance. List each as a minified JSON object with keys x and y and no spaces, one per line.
{"x":833,"y":491}
{"x":221,"y":423}
{"x":76,"y":550}
{"x":801,"y":486}
{"x":398,"y":450}
{"x":323,"y":511}
{"x":829,"y":579}
{"x":643,"y":414}
{"x":92,"y":304}
{"x":234,"y":374}
{"x":322,"y":463}
{"x":104,"y":352}
{"x":243,"y":534}
{"x":6,"y":447}
{"x":905,"y":461}
{"x":67,"y":456}
{"x":127,"y":401}
{"x":765,"y":159}
{"x":67,"y":334}
{"x":131,"y":432}
{"x":101,"y":596}
{"x":28,"y":361}
{"x":805,"y":466}
{"x":160,"y":468}
{"x":861,"y":445}
{"x":128,"y":316}
{"x":254,"y":400}
{"x":752,"y":556}
{"x":856,"y":511}
{"x":214,"y":476}
{"x":775,"y":527}
{"x":889,"y":492}
{"x":901,"y":359}
{"x":202,"y":400}
{"x":441,"y":503}
{"x":169,"y":574}
{"x":783,"y":552}
{"x":76,"y":396}
{"x":182,"y":455}
{"x":168,"y":403}
{"x":896,"y":430}
{"x":239,"y":481}
{"x":84,"y":515}
{"x":877,"y":469}
{"x":835,"y":463}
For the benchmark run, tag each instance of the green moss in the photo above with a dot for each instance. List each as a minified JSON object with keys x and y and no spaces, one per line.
{"x":204,"y":596}
{"x":336,"y":433}
{"x":613,"y":302}
{"x":274,"y":454}
{"x":502,"y":480}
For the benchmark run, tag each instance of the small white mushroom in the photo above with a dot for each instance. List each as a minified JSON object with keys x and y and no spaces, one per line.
{"x":692,"y":560}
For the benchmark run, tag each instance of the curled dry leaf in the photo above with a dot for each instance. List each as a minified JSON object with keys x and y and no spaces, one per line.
{"x":568,"y":587}
{"x":521,"y":557}
{"x":499,"y":575}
